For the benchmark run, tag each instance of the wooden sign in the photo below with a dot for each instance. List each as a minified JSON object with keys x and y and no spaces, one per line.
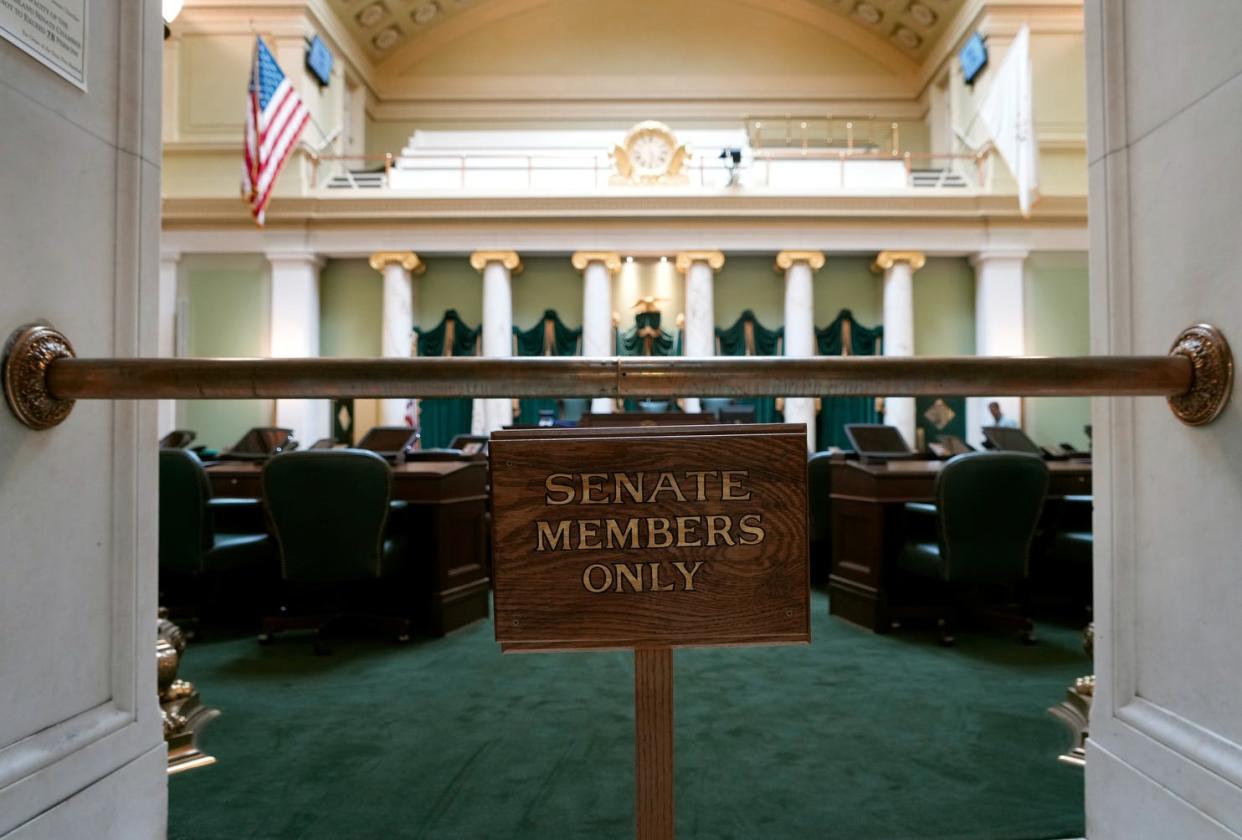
{"x":649,"y":537}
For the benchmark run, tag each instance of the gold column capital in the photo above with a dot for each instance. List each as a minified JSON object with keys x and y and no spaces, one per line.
{"x":509,"y":259}
{"x":610,"y":259}
{"x":785,"y":259}
{"x":714,"y":259}
{"x":885,"y":259}
{"x":406,"y":259}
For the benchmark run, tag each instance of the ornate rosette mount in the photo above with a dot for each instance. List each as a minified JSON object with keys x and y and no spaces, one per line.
{"x":27,"y":356}
{"x":1209,"y":353}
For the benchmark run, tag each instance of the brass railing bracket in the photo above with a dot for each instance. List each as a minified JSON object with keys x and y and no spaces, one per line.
{"x":28,"y":354}
{"x":1209,"y":353}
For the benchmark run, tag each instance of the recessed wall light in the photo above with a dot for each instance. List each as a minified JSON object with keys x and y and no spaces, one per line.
{"x":629,"y":259}
{"x":663,"y":259}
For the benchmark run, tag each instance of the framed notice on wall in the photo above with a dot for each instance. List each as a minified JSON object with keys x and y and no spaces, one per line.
{"x":53,"y":32}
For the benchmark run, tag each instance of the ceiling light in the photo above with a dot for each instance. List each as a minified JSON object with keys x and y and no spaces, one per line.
{"x":629,"y":259}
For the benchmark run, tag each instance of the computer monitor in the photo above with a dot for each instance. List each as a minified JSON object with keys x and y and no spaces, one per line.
{"x":178,"y":439}
{"x":954,"y":445}
{"x":877,"y":442}
{"x":1009,"y":439}
{"x":388,"y":440}
{"x":261,"y":442}
{"x":739,"y":413}
{"x":474,"y":445}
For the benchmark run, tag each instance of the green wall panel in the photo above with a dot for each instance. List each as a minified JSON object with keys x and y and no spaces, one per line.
{"x":351,"y":309}
{"x":547,"y":283}
{"x":944,"y":325}
{"x":944,"y":308}
{"x":749,"y":282}
{"x":228,"y":305}
{"x":449,"y":283}
{"x":1057,"y":310}
{"x":847,"y":283}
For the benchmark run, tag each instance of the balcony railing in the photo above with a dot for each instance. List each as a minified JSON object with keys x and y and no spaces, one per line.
{"x":795,"y":169}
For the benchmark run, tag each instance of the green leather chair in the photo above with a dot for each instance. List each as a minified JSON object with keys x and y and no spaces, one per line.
{"x":819,"y":492}
{"x":1070,"y":550}
{"x":196,"y":544}
{"x":987,"y":508}
{"x":340,"y":538}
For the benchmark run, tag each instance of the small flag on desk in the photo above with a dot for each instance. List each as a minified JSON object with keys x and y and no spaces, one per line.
{"x":275,"y":117}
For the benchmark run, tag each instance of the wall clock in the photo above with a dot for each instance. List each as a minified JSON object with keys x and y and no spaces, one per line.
{"x":650,"y":154}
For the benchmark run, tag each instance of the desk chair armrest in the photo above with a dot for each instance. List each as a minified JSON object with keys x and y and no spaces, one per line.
{"x":920,"y":522}
{"x":398,"y":512}
{"x":1076,"y":513}
{"x":236,"y":516}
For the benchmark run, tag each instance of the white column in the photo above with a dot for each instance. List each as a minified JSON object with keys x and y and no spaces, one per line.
{"x":800,"y":268}
{"x":497,"y":268}
{"x":397,"y":335}
{"x":700,"y":330}
{"x":1000,"y":328}
{"x":899,"y":268}
{"x":166,"y":413}
{"x":294,"y":333}
{"x":597,"y":269}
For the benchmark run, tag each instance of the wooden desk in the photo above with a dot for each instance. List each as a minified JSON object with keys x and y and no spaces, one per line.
{"x":867,"y":529}
{"x":645,"y":418}
{"x":446,"y":522}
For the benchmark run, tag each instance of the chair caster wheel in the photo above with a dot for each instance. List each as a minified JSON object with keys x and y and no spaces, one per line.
{"x":948,"y":641}
{"x":264,"y":638}
{"x":1027,"y":637}
{"x":403,"y":638}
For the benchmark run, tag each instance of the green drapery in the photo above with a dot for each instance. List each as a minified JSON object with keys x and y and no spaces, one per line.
{"x":647,"y":338}
{"x":846,"y":337}
{"x":549,"y":337}
{"x":748,"y":337}
{"x":440,"y":420}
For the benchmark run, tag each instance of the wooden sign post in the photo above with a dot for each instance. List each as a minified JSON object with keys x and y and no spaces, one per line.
{"x":650,"y":539}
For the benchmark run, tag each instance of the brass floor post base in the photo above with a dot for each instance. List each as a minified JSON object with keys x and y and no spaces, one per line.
{"x":1208,"y":351}
{"x":28,"y":354}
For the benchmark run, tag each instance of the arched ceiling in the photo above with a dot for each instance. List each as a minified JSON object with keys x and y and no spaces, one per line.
{"x":387,"y":28}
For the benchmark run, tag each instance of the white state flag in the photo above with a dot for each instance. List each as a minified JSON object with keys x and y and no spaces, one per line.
{"x":1009,"y":116}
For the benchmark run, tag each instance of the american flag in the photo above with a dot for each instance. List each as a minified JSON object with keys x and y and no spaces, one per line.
{"x":275,"y":117}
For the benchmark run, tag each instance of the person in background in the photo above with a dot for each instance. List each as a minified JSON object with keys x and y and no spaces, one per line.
{"x":998,"y":417}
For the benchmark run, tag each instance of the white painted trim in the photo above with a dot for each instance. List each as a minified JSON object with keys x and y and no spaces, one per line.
{"x":47,"y":767}
{"x":953,"y":238}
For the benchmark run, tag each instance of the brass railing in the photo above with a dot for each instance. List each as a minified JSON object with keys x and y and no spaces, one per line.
{"x":42,"y":376}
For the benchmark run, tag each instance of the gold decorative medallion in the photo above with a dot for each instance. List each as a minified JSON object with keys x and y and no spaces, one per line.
{"x":1212,"y":382}
{"x":27,"y":356}
{"x":939,"y":414}
{"x":650,"y":154}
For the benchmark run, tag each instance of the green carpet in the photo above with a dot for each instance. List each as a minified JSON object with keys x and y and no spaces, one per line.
{"x":856,"y":736}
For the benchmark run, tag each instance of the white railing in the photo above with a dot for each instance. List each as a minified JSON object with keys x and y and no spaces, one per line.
{"x":804,"y":170}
